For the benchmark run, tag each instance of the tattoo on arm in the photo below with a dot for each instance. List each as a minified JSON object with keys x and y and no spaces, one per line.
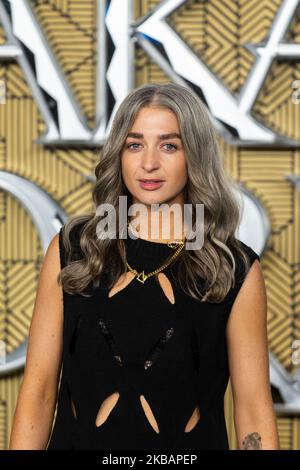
{"x":252,"y":442}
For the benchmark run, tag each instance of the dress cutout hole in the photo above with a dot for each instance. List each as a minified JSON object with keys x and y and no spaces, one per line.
{"x":106,"y":407}
{"x":193,"y":420}
{"x":71,"y":401}
{"x":166,"y":287}
{"x":73,"y":408}
{"x":148,"y":413}
{"x":122,"y":282}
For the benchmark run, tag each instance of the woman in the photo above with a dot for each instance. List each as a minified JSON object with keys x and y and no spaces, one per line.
{"x":147,"y":331}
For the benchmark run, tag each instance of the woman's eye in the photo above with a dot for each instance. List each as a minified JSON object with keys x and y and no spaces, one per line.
{"x":135,"y":143}
{"x":129,"y":145}
{"x":174,"y":146}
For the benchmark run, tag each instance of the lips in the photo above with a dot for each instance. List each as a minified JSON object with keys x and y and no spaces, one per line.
{"x":151,"y":185}
{"x":151,"y":181}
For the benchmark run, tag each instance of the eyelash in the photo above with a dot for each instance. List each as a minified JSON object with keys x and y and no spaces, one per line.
{"x":135,"y":143}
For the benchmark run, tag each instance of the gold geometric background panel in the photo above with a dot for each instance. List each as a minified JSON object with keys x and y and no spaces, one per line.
{"x":217,"y":32}
{"x":274,"y":106}
{"x":70,"y":30}
{"x":20,"y":260}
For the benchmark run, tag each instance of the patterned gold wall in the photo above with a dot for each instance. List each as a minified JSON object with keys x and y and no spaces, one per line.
{"x":217,"y":31}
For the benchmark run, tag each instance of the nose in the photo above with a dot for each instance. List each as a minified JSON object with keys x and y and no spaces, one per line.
{"x":150,"y":160}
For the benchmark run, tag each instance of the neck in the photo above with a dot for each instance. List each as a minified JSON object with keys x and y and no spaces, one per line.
{"x":155,"y":231}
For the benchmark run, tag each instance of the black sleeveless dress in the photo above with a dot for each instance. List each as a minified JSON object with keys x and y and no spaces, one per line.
{"x":139,"y":343}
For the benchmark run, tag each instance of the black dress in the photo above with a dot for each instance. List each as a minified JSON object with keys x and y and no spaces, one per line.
{"x":139,"y":343}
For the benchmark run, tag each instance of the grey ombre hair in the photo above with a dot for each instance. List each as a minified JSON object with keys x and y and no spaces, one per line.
{"x":214,"y":264}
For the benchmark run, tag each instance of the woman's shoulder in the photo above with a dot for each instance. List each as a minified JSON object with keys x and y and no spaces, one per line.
{"x":240,"y":269}
{"x":248,"y":250}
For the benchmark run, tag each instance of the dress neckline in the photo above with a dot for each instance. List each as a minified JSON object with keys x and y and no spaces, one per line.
{"x":146,"y":247}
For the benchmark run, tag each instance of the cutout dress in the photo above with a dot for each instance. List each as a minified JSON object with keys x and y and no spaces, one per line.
{"x":164,"y":363}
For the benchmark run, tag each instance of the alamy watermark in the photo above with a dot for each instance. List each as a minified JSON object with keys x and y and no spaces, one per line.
{"x":2,"y":92}
{"x":2,"y":352}
{"x":296,"y":353}
{"x":296,"y":93}
{"x":166,"y":216}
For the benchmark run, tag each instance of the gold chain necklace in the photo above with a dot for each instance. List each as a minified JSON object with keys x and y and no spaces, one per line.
{"x":142,"y":277}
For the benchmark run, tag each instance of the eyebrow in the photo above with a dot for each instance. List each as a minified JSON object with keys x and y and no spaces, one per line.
{"x":138,"y":135}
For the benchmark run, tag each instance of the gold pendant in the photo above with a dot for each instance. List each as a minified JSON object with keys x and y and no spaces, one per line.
{"x":143,"y":277}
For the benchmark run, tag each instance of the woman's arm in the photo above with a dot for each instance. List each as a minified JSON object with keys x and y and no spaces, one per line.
{"x":37,"y":397}
{"x":247,"y":343}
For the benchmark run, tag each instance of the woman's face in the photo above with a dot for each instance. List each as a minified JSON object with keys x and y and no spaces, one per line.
{"x":150,"y":154}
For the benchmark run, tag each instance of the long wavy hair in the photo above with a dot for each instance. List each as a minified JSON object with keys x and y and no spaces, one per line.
{"x":207,"y":184}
